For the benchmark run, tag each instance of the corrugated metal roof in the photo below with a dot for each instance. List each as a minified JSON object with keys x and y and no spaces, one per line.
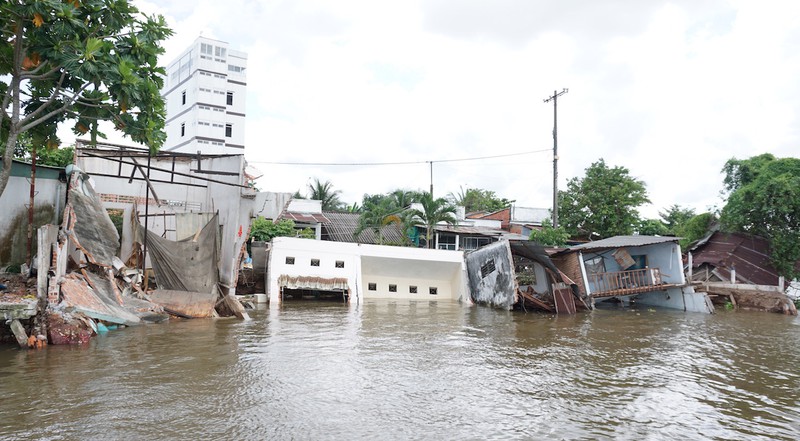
{"x":341,"y":226}
{"x":748,"y":254}
{"x":624,"y":241}
{"x":304,"y":218}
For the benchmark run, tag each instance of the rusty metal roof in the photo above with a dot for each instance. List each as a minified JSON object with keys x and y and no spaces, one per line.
{"x":623,"y":241}
{"x":339,"y":227}
{"x":748,"y":254}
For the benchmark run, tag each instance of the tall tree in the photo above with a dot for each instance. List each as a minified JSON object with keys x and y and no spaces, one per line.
{"x":87,"y":61}
{"x":323,"y":191}
{"x":765,"y":200}
{"x":477,"y":199}
{"x":433,"y":212}
{"x":549,"y":236}
{"x":603,"y":203}
{"x":675,"y":217}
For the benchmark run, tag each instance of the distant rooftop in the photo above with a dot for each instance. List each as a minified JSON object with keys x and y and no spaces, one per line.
{"x":624,"y":241}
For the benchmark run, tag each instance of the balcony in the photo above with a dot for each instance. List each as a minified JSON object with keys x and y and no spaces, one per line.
{"x":624,"y":283}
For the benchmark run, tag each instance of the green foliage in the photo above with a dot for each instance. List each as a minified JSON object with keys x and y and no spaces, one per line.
{"x":433,"y":211}
{"x":603,"y":203}
{"x":652,"y":227}
{"x":696,"y":228}
{"x":729,"y":306}
{"x":116,"y":218}
{"x":51,"y":156}
{"x":323,"y":191}
{"x":675,"y":217}
{"x":765,"y":201}
{"x":476,"y":199}
{"x":88,"y":61}
{"x":265,"y":230}
{"x":549,"y":236}
{"x":381,"y":210}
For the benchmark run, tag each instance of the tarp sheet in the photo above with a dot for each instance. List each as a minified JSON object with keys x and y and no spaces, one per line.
{"x":91,"y":228}
{"x":311,"y":282}
{"x":186,"y":265}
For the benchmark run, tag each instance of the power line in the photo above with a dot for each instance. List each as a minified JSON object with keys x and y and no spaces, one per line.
{"x":395,"y":163}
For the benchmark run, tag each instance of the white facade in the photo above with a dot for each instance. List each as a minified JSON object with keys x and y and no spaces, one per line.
{"x":372,"y":271}
{"x":205,"y":98}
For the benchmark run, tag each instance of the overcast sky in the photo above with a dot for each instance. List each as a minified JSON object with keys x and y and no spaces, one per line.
{"x":670,"y":90}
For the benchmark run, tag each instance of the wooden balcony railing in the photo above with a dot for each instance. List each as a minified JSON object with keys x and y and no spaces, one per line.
{"x":625,"y":282}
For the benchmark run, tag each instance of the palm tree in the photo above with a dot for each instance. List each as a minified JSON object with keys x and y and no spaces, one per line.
{"x":323,"y":191}
{"x":375,"y":216}
{"x":433,"y":212}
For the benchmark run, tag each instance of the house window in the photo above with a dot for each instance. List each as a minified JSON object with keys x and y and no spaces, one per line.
{"x":595,"y":265}
{"x":447,"y":242}
{"x":314,"y":262}
{"x":228,"y":130}
{"x":340,"y":264}
{"x":183,"y":97}
{"x":412,"y":289}
{"x":372,"y":286}
{"x":473,"y":243}
{"x":230,"y":98}
{"x":487,"y":268}
{"x":290,"y":260}
{"x":183,"y":129}
{"x":433,"y":290}
{"x":219,"y":51}
{"x":206,"y":49}
{"x":392,"y":288}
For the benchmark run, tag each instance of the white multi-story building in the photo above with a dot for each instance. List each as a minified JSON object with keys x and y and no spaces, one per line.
{"x":205,"y":97}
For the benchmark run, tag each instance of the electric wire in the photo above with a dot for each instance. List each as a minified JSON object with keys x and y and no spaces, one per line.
{"x":477,"y":158}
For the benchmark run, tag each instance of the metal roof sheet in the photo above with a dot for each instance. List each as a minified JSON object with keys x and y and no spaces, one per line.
{"x":305,"y":218}
{"x":624,"y":241}
{"x":340,"y":227}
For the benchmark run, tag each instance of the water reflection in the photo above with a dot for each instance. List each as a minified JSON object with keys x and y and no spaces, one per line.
{"x":420,"y":370}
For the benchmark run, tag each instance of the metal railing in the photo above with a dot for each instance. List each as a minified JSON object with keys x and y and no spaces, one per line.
{"x":630,"y":281}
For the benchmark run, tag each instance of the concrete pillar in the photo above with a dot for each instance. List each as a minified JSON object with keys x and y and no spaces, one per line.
{"x":733,"y":275}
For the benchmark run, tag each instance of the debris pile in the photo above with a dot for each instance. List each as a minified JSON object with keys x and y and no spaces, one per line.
{"x":82,"y":287}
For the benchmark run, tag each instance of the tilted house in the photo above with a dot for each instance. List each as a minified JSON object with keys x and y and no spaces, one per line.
{"x":647,"y":270}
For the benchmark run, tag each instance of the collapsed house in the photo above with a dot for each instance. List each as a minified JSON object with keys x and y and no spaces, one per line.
{"x":520,"y":275}
{"x":736,"y":268}
{"x":645,"y":270}
{"x":180,"y":254}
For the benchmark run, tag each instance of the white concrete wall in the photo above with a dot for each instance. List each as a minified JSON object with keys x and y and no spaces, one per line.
{"x":364,"y":264}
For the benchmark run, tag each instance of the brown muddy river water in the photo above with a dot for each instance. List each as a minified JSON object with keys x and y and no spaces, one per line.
{"x":405,"y":370}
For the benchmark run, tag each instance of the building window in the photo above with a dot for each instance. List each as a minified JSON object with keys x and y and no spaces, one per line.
{"x":290,"y":260}
{"x":314,"y":262}
{"x":433,"y":290}
{"x":595,"y":265}
{"x":340,"y":264}
{"x":183,"y":98}
{"x":447,"y":242}
{"x":230,"y":98}
{"x":473,"y":243}
{"x":228,"y":130}
{"x":219,"y":51}
{"x":487,"y":268}
{"x":372,"y":286}
{"x":412,"y":289}
{"x":392,"y":288}
{"x":183,"y":129}
{"x":206,"y":49}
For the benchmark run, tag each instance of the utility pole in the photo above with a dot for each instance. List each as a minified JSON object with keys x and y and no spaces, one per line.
{"x":431,"y":162}
{"x":554,"y":99}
